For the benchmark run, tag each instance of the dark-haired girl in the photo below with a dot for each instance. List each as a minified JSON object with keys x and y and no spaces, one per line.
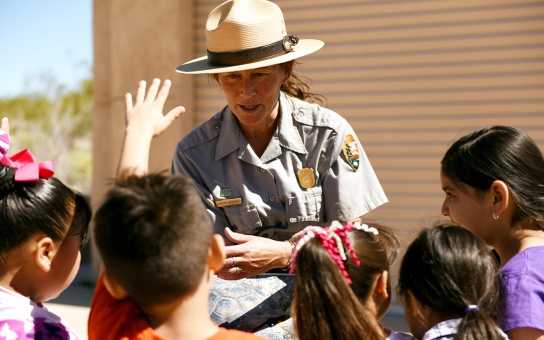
{"x":494,"y":184}
{"x":449,"y":286}
{"x":43,"y":225}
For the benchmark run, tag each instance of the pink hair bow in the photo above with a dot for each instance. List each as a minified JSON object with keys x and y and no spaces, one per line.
{"x":27,"y":169}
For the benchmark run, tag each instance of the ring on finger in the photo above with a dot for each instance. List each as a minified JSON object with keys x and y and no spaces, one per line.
{"x":237,"y":270}
{"x":234,"y":261}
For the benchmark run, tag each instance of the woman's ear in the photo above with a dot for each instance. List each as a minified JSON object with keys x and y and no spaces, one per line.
{"x":500,"y":196}
{"x":44,"y":252}
{"x":217,"y":253}
{"x":113,"y":287}
{"x":288,"y":69}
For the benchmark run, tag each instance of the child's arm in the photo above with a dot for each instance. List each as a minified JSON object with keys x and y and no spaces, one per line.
{"x":144,"y":120}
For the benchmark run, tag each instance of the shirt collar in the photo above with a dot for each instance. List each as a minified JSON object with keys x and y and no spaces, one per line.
{"x":230,"y":135}
{"x":443,"y":330}
{"x":288,"y":134}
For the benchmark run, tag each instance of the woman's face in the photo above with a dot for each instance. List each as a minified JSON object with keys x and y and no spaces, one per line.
{"x":468,"y":208}
{"x":252,"y":95}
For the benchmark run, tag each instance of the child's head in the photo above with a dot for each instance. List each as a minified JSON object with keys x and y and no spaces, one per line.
{"x":486,"y":165}
{"x":326,"y":305}
{"x":47,"y":222}
{"x":154,"y":235}
{"x":449,"y":273}
{"x":376,"y":251}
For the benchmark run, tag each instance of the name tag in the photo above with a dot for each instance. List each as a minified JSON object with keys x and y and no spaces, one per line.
{"x":228,"y":202}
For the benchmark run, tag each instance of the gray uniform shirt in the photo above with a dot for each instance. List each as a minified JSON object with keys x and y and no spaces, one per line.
{"x":267,"y":196}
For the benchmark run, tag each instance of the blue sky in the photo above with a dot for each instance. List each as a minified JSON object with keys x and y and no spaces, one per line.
{"x":44,"y":38}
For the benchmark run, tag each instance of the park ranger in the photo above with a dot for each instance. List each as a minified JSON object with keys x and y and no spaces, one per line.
{"x":272,"y":161}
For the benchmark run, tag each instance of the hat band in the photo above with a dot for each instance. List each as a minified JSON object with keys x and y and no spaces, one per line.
{"x":253,"y":54}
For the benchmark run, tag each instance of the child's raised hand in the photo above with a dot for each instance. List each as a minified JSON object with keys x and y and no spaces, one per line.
{"x":145,"y":115}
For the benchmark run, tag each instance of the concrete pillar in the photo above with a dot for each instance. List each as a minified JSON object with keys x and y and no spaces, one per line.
{"x":137,"y":40}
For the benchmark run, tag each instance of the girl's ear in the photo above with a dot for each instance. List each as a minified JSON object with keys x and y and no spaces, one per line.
{"x":501,"y":197}
{"x":44,"y":252}
{"x":113,"y":287}
{"x":382,"y":293}
{"x":216,"y":253}
{"x":382,"y":285}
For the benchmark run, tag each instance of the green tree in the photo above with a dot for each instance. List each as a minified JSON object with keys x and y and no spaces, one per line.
{"x":55,"y":123}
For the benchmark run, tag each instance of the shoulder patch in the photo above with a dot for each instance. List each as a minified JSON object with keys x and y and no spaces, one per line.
{"x":351,"y":152}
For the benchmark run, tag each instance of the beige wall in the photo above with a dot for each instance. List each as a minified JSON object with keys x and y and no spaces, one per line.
{"x":410,"y":76}
{"x":137,"y":40}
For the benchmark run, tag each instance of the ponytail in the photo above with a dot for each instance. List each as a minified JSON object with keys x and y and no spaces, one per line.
{"x":324,"y":305}
{"x":478,"y":324}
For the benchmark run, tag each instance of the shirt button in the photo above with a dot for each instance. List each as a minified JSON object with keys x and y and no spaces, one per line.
{"x":272,"y":198}
{"x":234,"y":228}
{"x":263,"y":170}
{"x":217,"y":125}
{"x":265,"y":235}
{"x":278,"y":223}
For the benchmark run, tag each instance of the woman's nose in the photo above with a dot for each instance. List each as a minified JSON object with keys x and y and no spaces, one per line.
{"x":247,"y":88}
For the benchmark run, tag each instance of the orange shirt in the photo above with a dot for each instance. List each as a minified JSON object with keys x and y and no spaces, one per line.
{"x":114,"y":319}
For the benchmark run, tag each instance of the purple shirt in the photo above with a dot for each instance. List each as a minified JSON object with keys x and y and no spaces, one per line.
{"x":523,"y":279}
{"x":21,"y":318}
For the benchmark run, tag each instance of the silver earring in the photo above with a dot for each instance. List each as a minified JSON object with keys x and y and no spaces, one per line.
{"x":495,"y":216}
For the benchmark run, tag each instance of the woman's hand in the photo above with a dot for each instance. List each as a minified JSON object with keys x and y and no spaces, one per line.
{"x":253,"y":255}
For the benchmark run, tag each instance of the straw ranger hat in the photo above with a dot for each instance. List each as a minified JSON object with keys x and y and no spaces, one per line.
{"x":247,"y":34}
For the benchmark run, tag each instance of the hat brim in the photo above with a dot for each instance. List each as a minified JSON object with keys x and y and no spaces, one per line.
{"x":201,"y":65}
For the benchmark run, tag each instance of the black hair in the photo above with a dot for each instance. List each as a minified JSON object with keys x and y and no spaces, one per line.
{"x":46,"y":206}
{"x":501,"y":153}
{"x":448,"y":268}
{"x":153,"y":233}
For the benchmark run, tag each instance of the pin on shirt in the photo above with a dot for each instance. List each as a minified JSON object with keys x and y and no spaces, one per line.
{"x":306,"y":177}
{"x":228,"y":202}
{"x":351,"y":152}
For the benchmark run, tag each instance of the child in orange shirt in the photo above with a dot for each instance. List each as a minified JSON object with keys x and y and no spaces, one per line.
{"x":156,"y":242}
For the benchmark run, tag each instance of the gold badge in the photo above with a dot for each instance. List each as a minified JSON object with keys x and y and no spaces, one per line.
{"x":228,"y":202}
{"x":351,"y":152}
{"x":306,"y":178}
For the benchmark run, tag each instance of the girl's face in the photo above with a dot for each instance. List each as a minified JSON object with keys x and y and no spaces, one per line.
{"x":469,"y":208}
{"x":414,"y":313}
{"x":64,"y":267}
{"x":252,"y":95}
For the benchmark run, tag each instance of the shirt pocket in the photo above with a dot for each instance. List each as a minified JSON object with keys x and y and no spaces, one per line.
{"x":306,"y":207}
{"x":244,"y":219}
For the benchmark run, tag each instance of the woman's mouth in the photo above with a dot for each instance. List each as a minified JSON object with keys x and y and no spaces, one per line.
{"x":248,"y":108}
